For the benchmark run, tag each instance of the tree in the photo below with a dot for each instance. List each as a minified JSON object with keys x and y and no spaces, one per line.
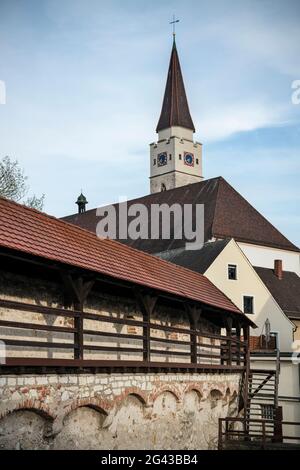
{"x":13,"y":184}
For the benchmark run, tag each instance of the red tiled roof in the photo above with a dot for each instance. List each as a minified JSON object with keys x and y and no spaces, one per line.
{"x":29,"y":231}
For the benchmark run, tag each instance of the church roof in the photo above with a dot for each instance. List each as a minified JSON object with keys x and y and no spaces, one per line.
{"x":175,"y":109}
{"x":197,"y":260}
{"x":226,"y":215}
{"x":29,"y":231}
{"x":286,"y":291}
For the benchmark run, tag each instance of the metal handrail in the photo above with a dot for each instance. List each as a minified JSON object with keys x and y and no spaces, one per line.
{"x":264,"y":435}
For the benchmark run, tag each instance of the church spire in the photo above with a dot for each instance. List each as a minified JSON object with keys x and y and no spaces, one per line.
{"x":175,"y":109}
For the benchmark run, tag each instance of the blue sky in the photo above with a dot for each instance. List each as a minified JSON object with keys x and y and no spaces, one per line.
{"x":84,"y":84}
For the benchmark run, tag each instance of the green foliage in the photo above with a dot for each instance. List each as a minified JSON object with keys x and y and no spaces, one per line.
{"x":13,"y":184}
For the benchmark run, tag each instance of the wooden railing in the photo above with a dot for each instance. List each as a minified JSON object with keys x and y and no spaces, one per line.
{"x":93,"y":340}
{"x":258,"y":431}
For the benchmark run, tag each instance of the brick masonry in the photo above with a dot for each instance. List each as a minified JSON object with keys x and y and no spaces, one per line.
{"x":116,"y":411}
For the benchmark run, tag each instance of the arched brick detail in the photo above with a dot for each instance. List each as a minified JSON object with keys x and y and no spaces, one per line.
{"x":30,"y":405}
{"x":194,"y":387}
{"x":166,"y":388}
{"x":137,"y":392}
{"x":98,"y":404}
{"x":213,"y":395}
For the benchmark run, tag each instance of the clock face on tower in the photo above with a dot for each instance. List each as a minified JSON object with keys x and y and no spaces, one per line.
{"x":188,"y":159}
{"x":162,"y":159}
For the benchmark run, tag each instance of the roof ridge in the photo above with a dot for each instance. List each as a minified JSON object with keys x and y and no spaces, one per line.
{"x":150,"y":196}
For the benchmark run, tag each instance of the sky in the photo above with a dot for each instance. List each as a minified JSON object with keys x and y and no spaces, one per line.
{"x":84,"y":81}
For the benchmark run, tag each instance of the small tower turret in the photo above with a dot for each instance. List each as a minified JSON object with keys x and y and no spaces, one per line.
{"x":81,"y":202}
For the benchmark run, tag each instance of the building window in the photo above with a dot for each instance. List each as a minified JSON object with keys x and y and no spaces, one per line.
{"x":180,"y":156}
{"x":248,"y":304}
{"x":267,"y":411}
{"x":197,"y":161}
{"x":163,"y":187}
{"x":232,"y":272}
{"x":154,"y":161}
{"x":170,"y":156}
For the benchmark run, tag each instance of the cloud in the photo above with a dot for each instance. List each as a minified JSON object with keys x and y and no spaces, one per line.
{"x":228,"y":119}
{"x":85,"y":82}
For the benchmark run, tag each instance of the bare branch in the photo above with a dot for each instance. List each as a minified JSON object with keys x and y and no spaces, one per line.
{"x":13,"y":184}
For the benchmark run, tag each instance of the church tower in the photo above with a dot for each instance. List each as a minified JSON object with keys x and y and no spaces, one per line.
{"x":175,"y":159}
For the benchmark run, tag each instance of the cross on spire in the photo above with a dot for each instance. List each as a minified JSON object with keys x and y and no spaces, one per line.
{"x":174,"y":25}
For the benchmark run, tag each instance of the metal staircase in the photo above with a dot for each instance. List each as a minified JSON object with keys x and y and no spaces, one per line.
{"x":262,"y":399}
{"x":262,"y":417}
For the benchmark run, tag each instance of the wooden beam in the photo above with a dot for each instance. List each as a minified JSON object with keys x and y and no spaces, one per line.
{"x":238,"y":337}
{"x":146,"y":303}
{"x":77,"y":291}
{"x":246,"y":334}
{"x":194,"y":314}
{"x":25,"y":307}
{"x":45,"y":362}
{"x":228,"y":325}
{"x":278,"y":424}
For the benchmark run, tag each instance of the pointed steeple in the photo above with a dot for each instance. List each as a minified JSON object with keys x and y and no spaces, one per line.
{"x":175,"y":109}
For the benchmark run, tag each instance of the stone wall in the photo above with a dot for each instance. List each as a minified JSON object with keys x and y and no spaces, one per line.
{"x":115,"y":411}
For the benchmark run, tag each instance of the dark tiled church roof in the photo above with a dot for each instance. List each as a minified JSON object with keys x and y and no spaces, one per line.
{"x":227,"y":215}
{"x":175,"y":109}
{"x":286,"y":291}
{"x":197,"y":260}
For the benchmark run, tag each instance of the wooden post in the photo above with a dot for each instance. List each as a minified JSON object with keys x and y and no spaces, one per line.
{"x":263,"y":435}
{"x":238,"y":346}
{"x":277,"y":377}
{"x":278,"y":425}
{"x":220,"y":440}
{"x":228,"y":326}
{"x":246,"y":375}
{"x":146,"y":303}
{"x":77,"y":291}
{"x":78,"y":335}
{"x":194,"y":314}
